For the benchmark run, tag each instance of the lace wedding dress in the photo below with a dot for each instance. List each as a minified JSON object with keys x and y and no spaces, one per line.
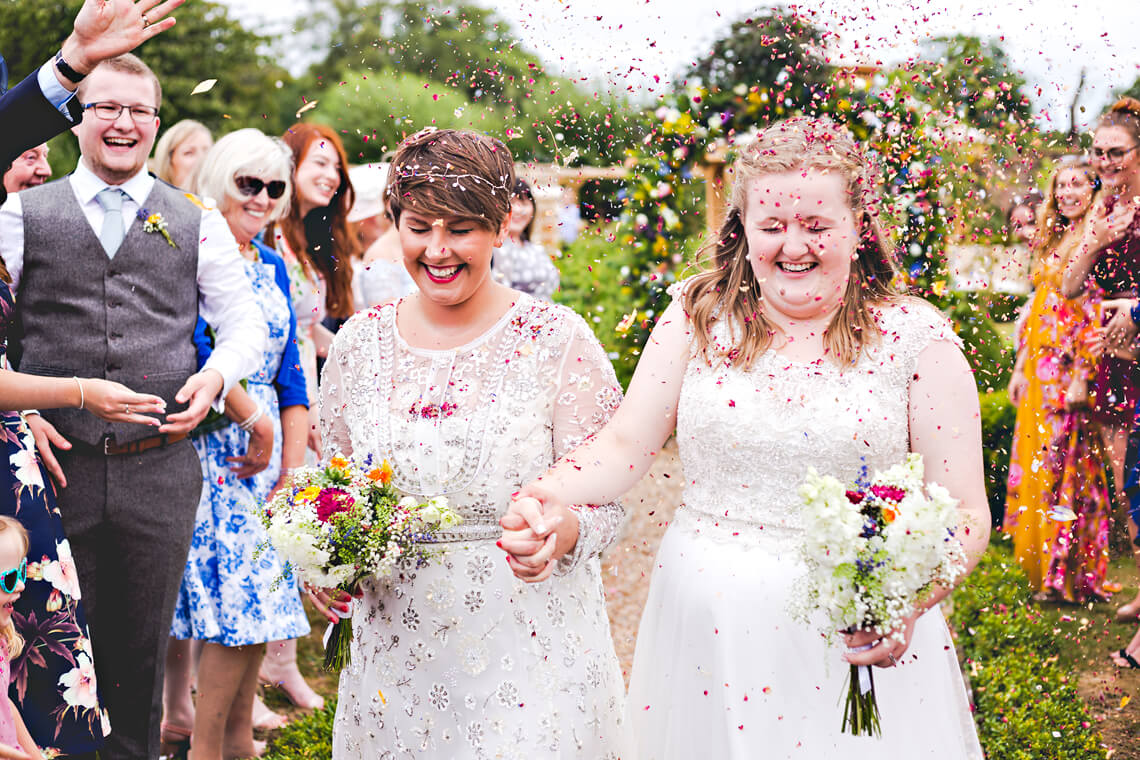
{"x":721,"y":669}
{"x":459,"y":659}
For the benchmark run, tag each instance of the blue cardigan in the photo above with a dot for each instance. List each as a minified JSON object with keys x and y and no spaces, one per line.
{"x":290,"y":380}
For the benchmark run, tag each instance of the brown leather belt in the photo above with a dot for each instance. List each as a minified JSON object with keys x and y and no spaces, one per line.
{"x":112,"y":449}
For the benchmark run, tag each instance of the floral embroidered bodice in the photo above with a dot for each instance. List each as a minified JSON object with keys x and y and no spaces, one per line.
{"x":476,"y":422}
{"x":747,"y":438}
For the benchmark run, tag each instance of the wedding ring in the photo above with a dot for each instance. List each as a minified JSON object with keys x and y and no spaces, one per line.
{"x":891,"y":657}
{"x":146,"y":22}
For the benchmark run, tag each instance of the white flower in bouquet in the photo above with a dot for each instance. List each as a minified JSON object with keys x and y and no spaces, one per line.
{"x":873,"y":550}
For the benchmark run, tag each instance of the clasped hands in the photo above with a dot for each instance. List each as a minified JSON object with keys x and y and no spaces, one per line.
{"x":538,"y":530}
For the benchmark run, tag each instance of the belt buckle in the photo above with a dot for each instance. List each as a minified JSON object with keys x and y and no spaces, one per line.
{"x":107,"y":445}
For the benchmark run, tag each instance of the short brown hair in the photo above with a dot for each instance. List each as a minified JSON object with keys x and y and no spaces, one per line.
{"x":727,"y":287}
{"x":452,"y":172}
{"x":127,"y":63}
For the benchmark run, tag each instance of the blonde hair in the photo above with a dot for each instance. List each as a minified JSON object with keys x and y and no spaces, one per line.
{"x":1052,"y":224}
{"x":13,"y":640}
{"x":726,"y":287}
{"x":245,"y":152}
{"x":169,"y":142}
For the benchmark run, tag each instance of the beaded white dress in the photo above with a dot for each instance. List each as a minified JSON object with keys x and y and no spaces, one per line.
{"x":722,"y":669}
{"x":460,"y":659}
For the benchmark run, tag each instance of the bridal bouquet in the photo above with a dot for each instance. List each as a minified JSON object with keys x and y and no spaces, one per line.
{"x":337,"y":524}
{"x":873,"y":550}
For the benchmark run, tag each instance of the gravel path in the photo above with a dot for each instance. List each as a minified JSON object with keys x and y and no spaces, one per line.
{"x":627,"y":565}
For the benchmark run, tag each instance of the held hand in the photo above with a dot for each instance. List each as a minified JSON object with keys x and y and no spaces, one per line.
{"x":114,"y":402}
{"x":199,"y":392}
{"x":47,"y":436}
{"x":107,"y":28}
{"x":1077,"y":394}
{"x":325,"y":599}
{"x":885,"y":652}
{"x":259,"y":452}
{"x":1017,"y":386}
{"x":1120,"y":330}
{"x":537,"y":534}
{"x":1105,"y":227}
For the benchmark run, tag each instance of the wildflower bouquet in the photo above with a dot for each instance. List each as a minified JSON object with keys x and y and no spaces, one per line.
{"x":337,"y":524}
{"x":873,"y":551}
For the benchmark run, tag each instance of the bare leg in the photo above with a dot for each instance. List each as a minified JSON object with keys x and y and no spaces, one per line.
{"x":222,"y":676}
{"x":177,"y":707}
{"x":239,"y":741}
{"x":280,"y":669}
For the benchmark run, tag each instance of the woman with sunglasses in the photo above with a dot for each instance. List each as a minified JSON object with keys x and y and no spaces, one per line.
{"x":1109,"y":262}
{"x":231,"y":598}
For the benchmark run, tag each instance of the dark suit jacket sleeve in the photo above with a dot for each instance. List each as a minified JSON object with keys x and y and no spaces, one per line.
{"x":28,"y":119}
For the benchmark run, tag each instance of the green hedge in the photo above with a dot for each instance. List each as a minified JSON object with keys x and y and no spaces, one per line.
{"x":998,"y":417}
{"x":1026,"y":707}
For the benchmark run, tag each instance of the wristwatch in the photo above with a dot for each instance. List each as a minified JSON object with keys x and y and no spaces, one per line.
{"x":69,"y":73}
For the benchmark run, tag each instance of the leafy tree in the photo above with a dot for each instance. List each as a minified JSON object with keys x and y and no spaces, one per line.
{"x":375,"y":111}
{"x":973,"y":76}
{"x":763,"y":68}
{"x":455,"y":50}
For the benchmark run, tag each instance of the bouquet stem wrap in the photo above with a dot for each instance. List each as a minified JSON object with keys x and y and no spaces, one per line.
{"x":861,"y":711}
{"x":338,"y":639}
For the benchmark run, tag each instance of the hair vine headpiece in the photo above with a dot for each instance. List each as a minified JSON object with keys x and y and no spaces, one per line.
{"x":413,"y":171}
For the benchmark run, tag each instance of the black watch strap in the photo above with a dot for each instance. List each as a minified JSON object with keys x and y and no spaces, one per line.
{"x":69,"y":73}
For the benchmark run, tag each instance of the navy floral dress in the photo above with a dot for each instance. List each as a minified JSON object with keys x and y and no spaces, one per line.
{"x":53,"y":678}
{"x":231,"y":590}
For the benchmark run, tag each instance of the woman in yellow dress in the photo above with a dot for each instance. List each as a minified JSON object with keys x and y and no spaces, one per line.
{"x":1058,"y":508}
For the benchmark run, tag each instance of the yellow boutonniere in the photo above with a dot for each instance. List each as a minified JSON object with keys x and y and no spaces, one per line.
{"x":155,"y":223}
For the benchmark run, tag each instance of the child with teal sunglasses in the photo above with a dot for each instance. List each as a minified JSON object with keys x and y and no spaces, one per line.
{"x":15,"y":741}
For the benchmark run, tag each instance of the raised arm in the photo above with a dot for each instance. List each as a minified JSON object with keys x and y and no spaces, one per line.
{"x":614,"y":459}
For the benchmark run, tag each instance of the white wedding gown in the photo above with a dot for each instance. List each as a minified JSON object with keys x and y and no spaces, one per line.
{"x":459,"y":659}
{"x":721,"y":668}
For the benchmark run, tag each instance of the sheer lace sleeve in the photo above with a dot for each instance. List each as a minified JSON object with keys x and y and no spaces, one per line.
{"x":588,"y":396}
{"x":335,"y":390}
{"x":911,"y":325}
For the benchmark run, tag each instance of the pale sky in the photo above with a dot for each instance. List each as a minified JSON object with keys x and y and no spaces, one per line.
{"x":622,"y":45}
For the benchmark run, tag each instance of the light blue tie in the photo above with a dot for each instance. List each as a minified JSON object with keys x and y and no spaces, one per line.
{"x":111,"y":236}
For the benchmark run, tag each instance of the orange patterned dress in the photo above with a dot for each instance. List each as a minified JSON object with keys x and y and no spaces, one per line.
{"x":1058,"y":507}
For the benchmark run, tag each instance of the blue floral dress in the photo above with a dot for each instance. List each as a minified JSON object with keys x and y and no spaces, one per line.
{"x":53,"y":678}
{"x":231,"y":589}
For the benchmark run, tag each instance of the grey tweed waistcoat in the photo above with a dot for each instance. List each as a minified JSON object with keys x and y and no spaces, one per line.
{"x":130,"y":319}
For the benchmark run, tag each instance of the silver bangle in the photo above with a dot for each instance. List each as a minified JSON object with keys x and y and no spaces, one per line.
{"x":248,"y":423}
{"x":82,"y":400}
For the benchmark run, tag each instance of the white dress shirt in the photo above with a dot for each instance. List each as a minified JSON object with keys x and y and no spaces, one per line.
{"x":56,"y":93}
{"x":225,"y":297}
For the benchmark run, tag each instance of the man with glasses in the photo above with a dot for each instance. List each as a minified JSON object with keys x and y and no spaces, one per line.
{"x":111,"y":269}
{"x":43,"y":105}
